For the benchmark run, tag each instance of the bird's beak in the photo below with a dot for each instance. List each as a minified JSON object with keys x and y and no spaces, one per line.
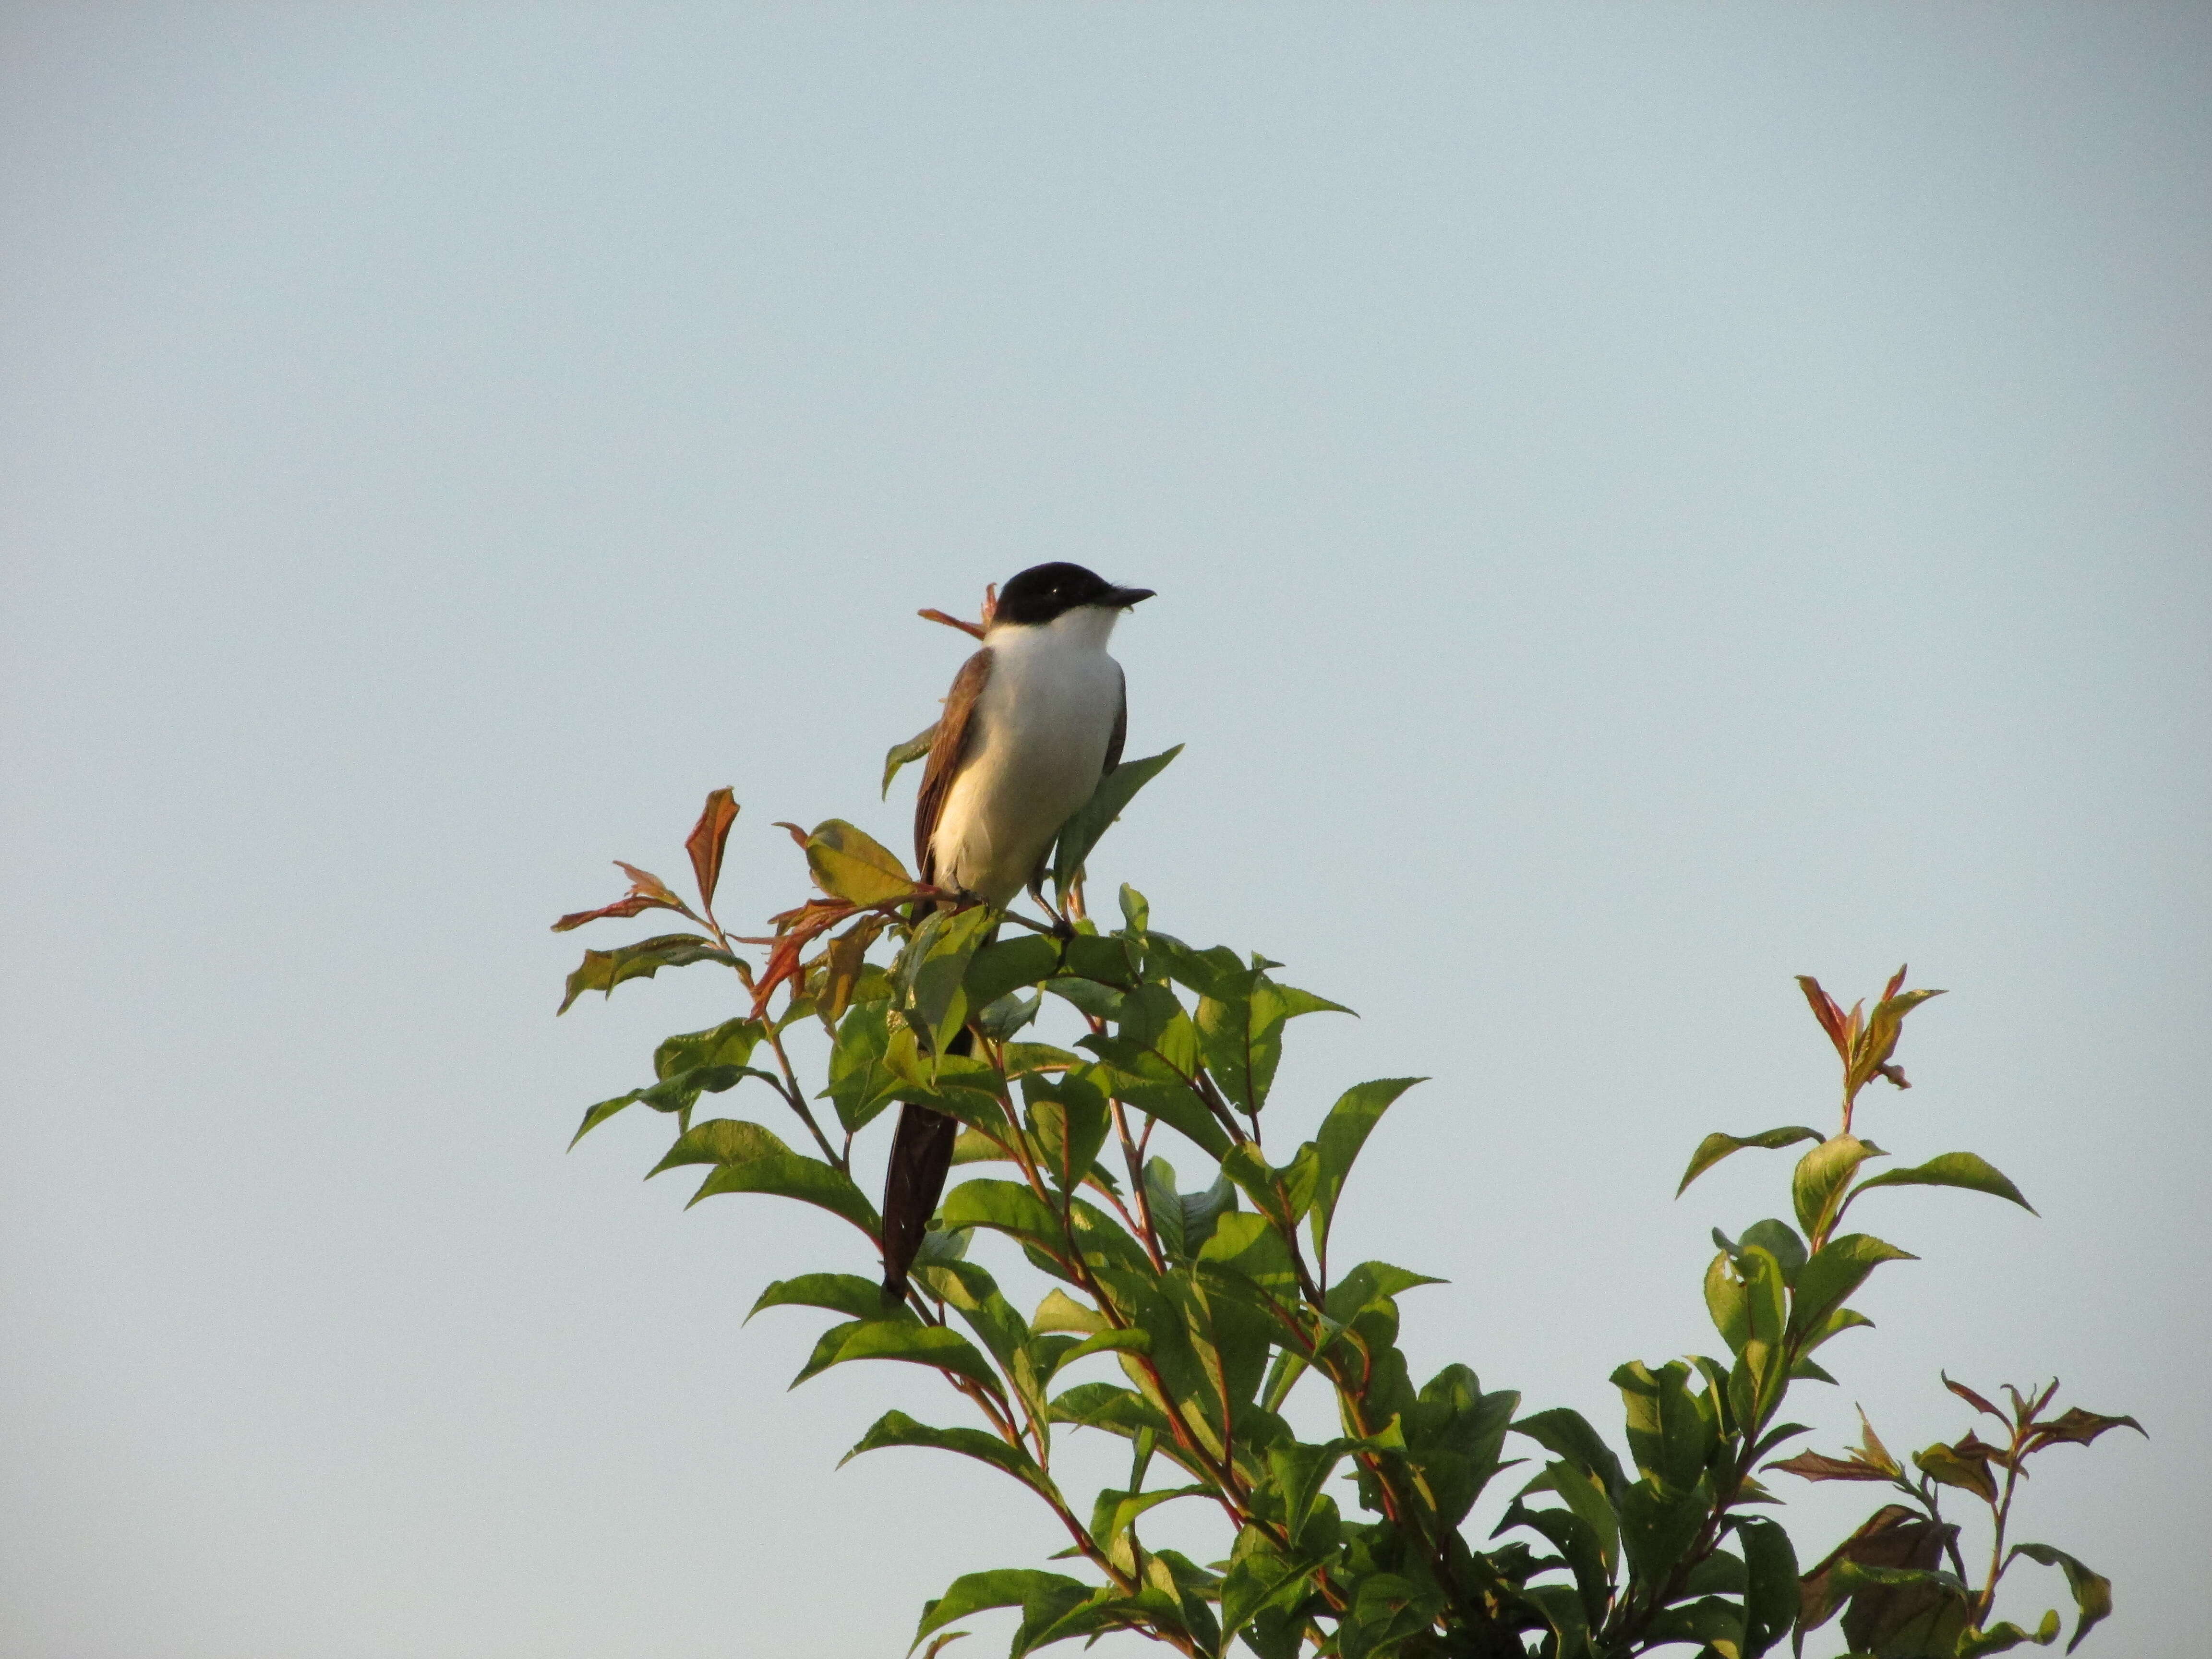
{"x":1122,"y":598}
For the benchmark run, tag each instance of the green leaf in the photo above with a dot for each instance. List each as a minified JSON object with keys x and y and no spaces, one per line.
{"x":934,"y":964}
{"x":897,"y":1429}
{"x":1136,"y":914}
{"x":1943,"y":1463}
{"x":1715,"y":1147}
{"x":774,"y":1168}
{"x":2092,"y":1591}
{"x":1577,"y":1543}
{"x":1126,"y":1341}
{"x":602,"y":970}
{"x":1587,"y":1498}
{"x":1252,"y":1252}
{"x":1368,"y":1284}
{"x":2004,"y":1635}
{"x":1949,"y":1169}
{"x":1033,"y":1591}
{"x":1835,"y":1271}
{"x":1010,"y":965}
{"x":852,"y":864}
{"x":1817,"y":1187}
{"x":1115,"y":1410}
{"x":1081,"y":833}
{"x":1069,"y":1121}
{"x":1240,"y":1032}
{"x":1872,"y":1058}
{"x":1115,"y":1512}
{"x":1771,"y":1596}
{"x":1344,"y":1131}
{"x":1565,"y":1432}
{"x":1779,"y":1240}
{"x":1007,"y":1207}
{"x":1103,"y":958}
{"x":1670,"y":1439}
{"x":903,"y":1339}
{"x":1659,"y":1523}
{"x":861,"y":1081}
{"x":729,"y":1043}
{"x":1566,"y":1611}
{"x":720,"y":1140}
{"x":1060,"y":1311}
{"x":846,"y":1293}
{"x":1000,"y":1020}
{"x":1099,"y":1001}
{"x":903,"y":754}
{"x":596,"y":1114}
{"x":1716,"y":1624}
{"x":1142,"y":1078}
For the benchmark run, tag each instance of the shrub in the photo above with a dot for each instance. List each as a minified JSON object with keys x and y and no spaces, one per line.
{"x":1213,"y":1299}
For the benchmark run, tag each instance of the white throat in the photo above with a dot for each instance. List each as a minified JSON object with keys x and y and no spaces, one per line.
{"x":1086,"y":628}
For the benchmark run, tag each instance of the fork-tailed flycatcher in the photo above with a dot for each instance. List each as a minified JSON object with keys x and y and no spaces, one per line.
{"x":1034,"y":720}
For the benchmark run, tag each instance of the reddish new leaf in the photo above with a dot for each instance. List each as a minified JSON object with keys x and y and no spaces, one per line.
{"x":1972,"y":1398}
{"x":645,"y":883}
{"x":1826,"y":1010}
{"x":976,"y":629}
{"x":973,"y":628}
{"x":2078,"y":1428}
{"x":707,"y":840}
{"x":1814,"y":1466}
{"x":647,"y":892}
{"x":1894,"y":1537}
{"x":631,"y":906}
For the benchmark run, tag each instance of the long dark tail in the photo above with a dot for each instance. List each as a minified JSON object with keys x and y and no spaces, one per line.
{"x":921,"y":1154}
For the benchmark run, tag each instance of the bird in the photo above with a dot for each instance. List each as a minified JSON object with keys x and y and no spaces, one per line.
{"x":1034,"y":721}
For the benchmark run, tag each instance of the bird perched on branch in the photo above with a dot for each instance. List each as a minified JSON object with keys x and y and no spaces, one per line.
{"x":1033,"y":722}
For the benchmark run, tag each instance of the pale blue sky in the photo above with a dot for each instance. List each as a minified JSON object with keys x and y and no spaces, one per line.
{"x":1645,"y":502}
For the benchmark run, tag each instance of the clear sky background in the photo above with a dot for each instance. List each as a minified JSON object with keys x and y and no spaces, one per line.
{"x":1645,"y":501}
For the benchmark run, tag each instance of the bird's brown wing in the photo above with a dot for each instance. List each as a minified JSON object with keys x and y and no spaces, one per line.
{"x":946,"y":750}
{"x":1120,"y":724}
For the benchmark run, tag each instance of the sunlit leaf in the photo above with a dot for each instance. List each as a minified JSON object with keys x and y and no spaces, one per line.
{"x":1026,"y":1587}
{"x":1817,"y":1185}
{"x":602,"y":970}
{"x":882,"y":1338}
{"x":861,"y":1081}
{"x":1950,"y":1170}
{"x":2092,"y":1591}
{"x":1342,"y":1134}
{"x":851,"y":864}
{"x":897,"y":1429}
{"x":935,"y":965}
{"x":1715,"y":1147}
{"x":1835,"y":1271}
{"x":1871,"y":1058}
{"x":1081,"y":833}
{"x":1010,"y":965}
{"x":776,"y":1169}
{"x":1945,"y":1464}
{"x":846,"y":1293}
{"x":903,"y":754}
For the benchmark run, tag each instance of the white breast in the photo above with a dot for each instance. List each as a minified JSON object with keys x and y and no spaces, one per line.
{"x":1035,"y":751}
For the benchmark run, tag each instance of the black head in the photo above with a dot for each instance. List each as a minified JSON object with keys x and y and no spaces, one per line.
{"x":1044,"y":591}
